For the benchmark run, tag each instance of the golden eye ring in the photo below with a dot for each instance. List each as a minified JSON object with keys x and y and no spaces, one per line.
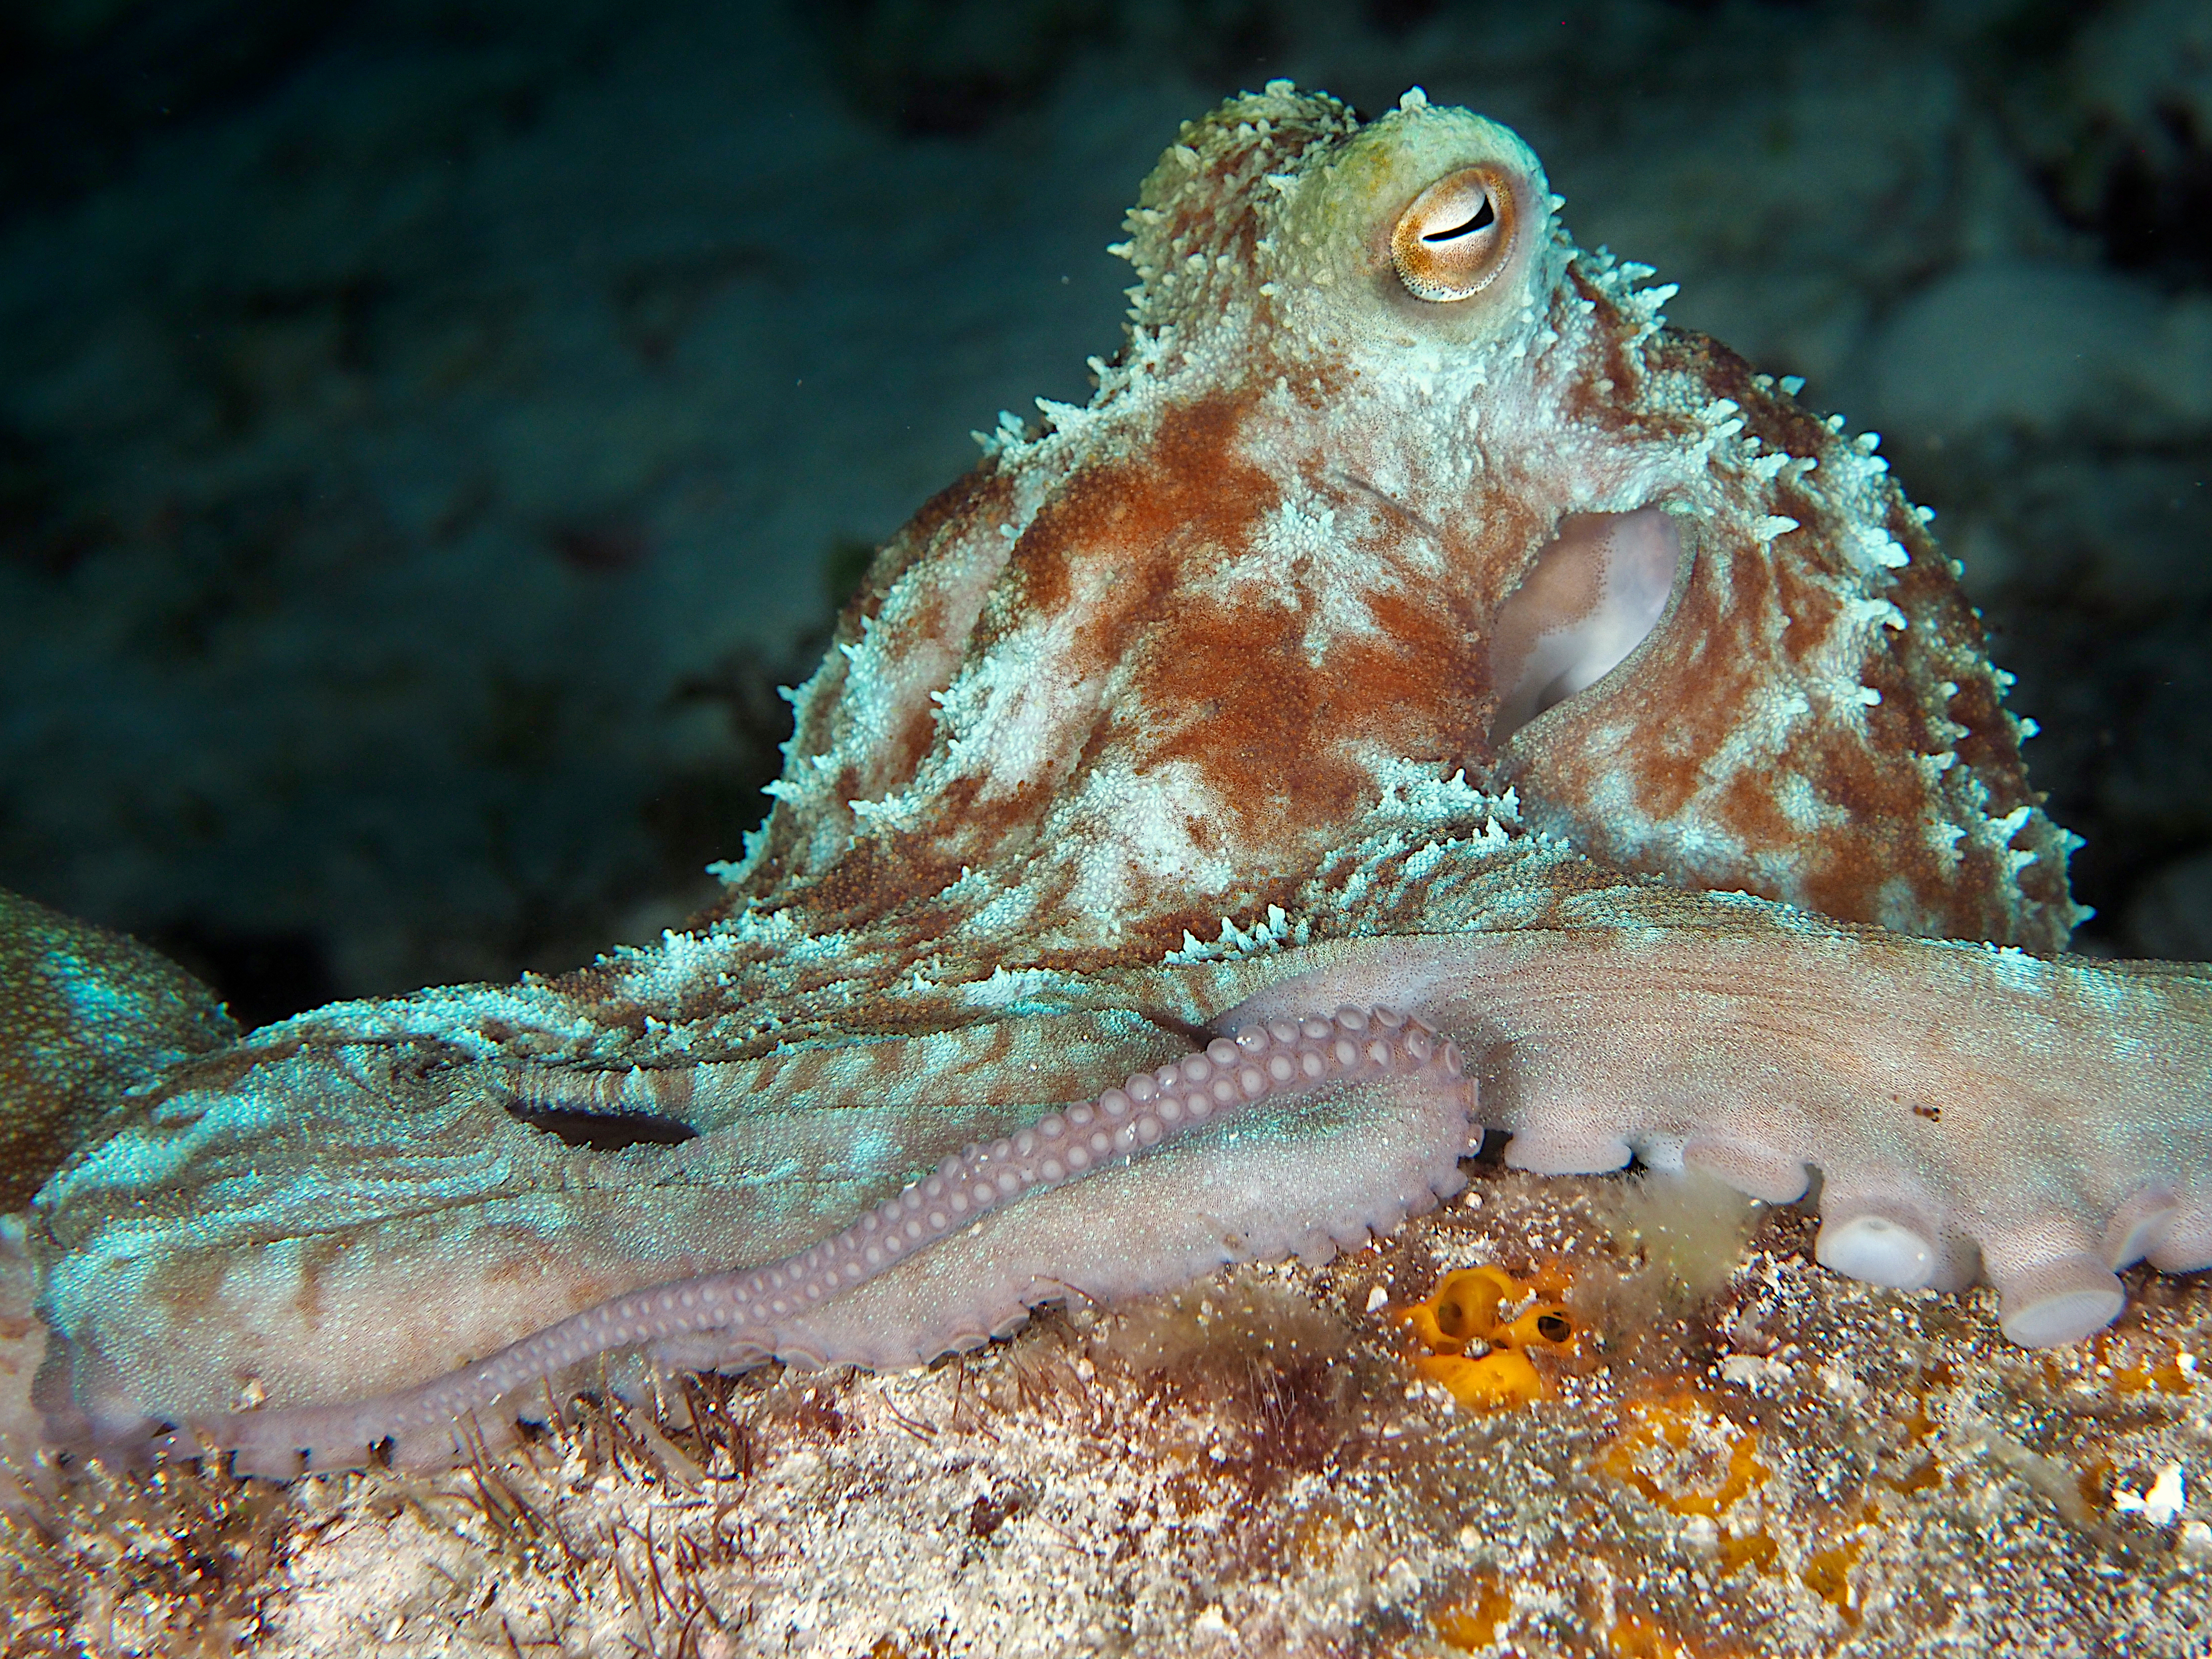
{"x":1456,"y":236}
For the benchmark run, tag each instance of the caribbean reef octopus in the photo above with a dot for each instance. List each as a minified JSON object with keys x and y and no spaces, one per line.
{"x":1421,"y":693}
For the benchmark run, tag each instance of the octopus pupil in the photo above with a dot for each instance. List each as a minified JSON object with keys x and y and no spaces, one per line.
{"x":1485,"y":216}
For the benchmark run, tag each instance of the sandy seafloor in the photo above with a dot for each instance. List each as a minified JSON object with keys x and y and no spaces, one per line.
{"x":428,"y":435}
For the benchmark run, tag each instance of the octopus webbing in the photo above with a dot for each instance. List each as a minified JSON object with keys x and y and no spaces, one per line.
{"x":1415,"y":649}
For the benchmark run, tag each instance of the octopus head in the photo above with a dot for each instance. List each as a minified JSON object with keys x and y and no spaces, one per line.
{"x":1462,"y":498}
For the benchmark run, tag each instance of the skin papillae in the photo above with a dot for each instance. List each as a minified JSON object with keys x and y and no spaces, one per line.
{"x":1413,"y":634}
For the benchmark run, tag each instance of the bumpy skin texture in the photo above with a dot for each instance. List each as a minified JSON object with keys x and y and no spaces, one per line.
{"x":1181,"y":714}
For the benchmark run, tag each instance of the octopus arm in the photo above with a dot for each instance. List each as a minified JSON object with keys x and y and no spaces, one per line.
{"x":1970,"y":1111}
{"x":1293,"y":1135}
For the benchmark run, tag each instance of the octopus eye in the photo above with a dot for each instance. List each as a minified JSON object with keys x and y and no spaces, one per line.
{"x":1454,"y":239}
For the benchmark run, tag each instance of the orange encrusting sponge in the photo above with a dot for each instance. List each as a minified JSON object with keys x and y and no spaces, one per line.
{"x":1469,"y":1310}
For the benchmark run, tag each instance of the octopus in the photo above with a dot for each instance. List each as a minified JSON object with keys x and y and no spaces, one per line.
{"x":1422,"y":695}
